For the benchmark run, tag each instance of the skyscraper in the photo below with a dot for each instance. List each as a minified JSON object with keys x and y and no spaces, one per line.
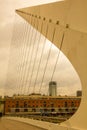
{"x":52,"y":88}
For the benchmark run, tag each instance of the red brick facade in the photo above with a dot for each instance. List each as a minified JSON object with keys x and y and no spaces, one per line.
{"x":38,"y":103}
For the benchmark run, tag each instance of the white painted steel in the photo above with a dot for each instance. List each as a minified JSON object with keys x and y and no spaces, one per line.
{"x":73,"y":13}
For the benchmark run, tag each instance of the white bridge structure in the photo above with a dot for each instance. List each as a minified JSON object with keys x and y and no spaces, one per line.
{"x":65,"y":25}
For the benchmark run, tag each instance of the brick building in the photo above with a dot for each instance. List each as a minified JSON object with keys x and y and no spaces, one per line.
{"x":37,"y":104}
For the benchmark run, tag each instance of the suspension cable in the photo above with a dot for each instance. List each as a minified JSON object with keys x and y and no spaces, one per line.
{"x":37,"y":47}
{"x":22,"y":56}
{"x":22,"y":59}
{"x":32,"y":55}
{"x":37,"y":53}
{"x":30,"y":41}
{"x":25,"y":58}
{"x":28,"y":54}
{"x":47,"y":59}
{"x":33,"y":46}
{"x":31,"y":38}
{"x":57,"y":59}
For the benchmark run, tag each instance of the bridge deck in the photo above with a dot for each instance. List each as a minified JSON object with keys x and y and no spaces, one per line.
{"x":6,"y":124}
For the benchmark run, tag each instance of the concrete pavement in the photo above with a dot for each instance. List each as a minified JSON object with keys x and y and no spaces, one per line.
{"x":6,"y":124}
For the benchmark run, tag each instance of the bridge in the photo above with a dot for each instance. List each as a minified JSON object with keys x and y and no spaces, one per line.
{"x":6,"y":124}
{"x":65,"y":25}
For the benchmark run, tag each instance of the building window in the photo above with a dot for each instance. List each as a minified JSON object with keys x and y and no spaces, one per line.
{"x":52,"y":105}
{"x":34,"y":110}
{"x":13,"y":106}
{"x":17,"y":105}
{"x":66,"y":104}
{"x":25,"y":104}
{"x":25,"y":110}
{"x":17,"y":102}
{"x":73,"y":109}
{"x":67,"y":110}
{"x":52,"y":110}
{"x":72,"y":104}
{"x":33,"y":106}
{"x":45,"y":110}
{"x":60,"y":109}
{"x":44,"y":105}
{"x":44,"y":102}
{"x":16,"y":110}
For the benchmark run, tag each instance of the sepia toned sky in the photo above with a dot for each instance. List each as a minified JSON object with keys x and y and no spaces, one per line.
{"x":67,"y":77}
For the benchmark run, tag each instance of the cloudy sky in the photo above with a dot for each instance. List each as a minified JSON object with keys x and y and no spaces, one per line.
{"x":65,"y":76}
